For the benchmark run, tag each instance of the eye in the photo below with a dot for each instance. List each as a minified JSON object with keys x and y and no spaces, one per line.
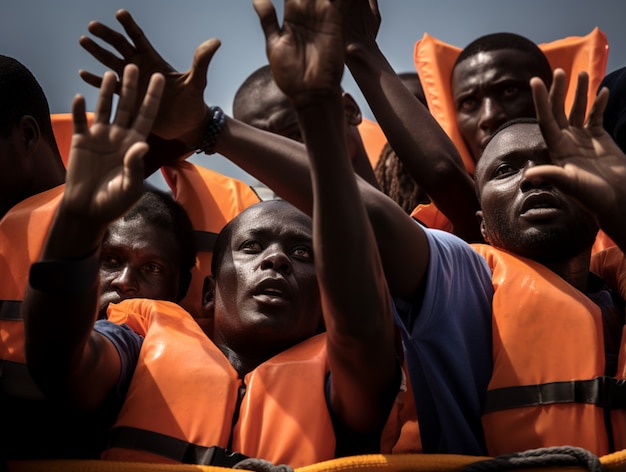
{"x":504,"y":170}
{"x":510,"y":91}
{"x":108,"y":260}
{"x":251,"y":246}
{"x":467,"y":104}
{"x":153,"y":268}
{"x":303,"y":252}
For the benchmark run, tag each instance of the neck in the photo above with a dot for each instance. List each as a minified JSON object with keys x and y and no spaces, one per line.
{"x":575,"y":270}
{"x":241,"y":363}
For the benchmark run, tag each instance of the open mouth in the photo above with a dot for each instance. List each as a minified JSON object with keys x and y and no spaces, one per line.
{"x":539,"y":206}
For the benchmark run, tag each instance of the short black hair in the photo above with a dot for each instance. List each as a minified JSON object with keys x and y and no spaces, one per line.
{"x":258,"y":80}
{"x":499,"y":41}
{"x":161,"y":210}
{"x":21,"y":95}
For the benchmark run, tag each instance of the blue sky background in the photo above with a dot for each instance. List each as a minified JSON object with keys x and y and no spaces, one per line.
{"x":43,"y":34}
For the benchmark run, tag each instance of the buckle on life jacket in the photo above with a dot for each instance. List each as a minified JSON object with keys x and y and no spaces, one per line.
{"x":612,"y":393}
{"x":179,"y":450}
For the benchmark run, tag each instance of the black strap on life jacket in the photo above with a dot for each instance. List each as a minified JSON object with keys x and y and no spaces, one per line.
{"x":605,"y":392}
{"x":10,"y":310}
{"x":176,"y":449}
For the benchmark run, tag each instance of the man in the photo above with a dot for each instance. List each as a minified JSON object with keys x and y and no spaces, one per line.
{"x":147,"y":253}
{"x":267,"y":297}
{"x":542,"y":202}
{"x":490,"y":85}
{"x":259,"y":102}
{"x":450,"y":345}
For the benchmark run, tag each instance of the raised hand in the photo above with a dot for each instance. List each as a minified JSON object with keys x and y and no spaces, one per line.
{"x":363,"y":23}
{"x":105,"y":171}
{"x":306,"y":54}
{"x":590,"y":166}
{"x":182,"y":110}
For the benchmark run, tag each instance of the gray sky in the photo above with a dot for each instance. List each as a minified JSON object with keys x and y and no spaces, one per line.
{"x":43,"y":34}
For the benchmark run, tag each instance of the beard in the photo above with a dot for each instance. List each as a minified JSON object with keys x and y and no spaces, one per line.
{"x":542,"y":244}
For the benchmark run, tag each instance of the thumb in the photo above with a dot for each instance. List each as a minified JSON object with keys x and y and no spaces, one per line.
{"x":201,"y":60}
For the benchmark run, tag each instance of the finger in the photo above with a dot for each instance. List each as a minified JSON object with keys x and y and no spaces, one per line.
{"x":557,"y":97}
{"x":102,"y":112}
{"x":91,"y":79}
{"x":579,"y":106}
{"x":112,"y":37}
{"x":150,"y":105}
{"x":596,"y":115}
{"x":134,"y":169}
{"x":267,"y":16}
{"x":580,"y":185}
{"x":128,"y":96}
{"x":79,"y":118}
{"x":103,"y":56}
{"x":550,"y":129}
{"x":551,"y":174}
{"x":201,"y":60}
{"x":134,"y":31}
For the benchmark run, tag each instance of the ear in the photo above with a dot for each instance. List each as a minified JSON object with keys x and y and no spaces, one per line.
{"x":30,"y":131}
{"x":208,"y":296}
{"x":351,"y":110}
{"x":481,"y":219}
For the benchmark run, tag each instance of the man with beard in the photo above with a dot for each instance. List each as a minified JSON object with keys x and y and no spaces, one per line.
{"x":544,"y":188}
{"x":437,"y":279}
{"x":268,"y":384}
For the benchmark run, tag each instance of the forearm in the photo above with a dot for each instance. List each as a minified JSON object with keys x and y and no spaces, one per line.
{"x":417,"y":139}
{"x":58,"y":320}
{"x":355,"y":298}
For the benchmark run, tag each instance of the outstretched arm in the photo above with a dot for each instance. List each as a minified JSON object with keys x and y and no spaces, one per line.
{"x":416,"y":137}
{"x":307,"y":63}
{"x":590,"y":166}
{"x":278,"y":162}
{"x":105,"y":177}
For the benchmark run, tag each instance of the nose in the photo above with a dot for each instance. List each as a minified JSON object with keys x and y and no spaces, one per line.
{"x":125,"y":281}
{"x":527,"y":184}
{"x":276,"y":259}
{"x":491,"y":115}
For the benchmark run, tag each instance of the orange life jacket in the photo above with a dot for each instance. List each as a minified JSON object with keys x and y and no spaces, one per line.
{"x":434,"y":60}
{"x":23,"y":231}
{"x":185,"y":390}
{"x":373,"y":138}
{"x":62,"y":127}
{"x":211,"y":200}
{"x":548,"y":384}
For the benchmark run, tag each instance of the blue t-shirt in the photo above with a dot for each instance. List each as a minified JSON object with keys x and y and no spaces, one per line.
{"x":448,"y":346}
{"x":128,"y":344}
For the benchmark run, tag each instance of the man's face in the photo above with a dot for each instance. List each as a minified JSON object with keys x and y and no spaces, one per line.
{"x":138,"y":260}
{"x":529,"y":218}
{"x":266,"y":292}
{"x":269,"y":109}
{"x":490,"y":89}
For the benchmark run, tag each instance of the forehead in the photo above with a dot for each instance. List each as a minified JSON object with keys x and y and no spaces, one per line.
{"x":487,"y":66}
{"x":140,"y":235}
{"x":275,"y":215}
{"x":519,"y":138}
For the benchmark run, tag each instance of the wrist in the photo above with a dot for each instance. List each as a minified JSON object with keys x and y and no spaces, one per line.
{"x":206,"y":140}
{"x":65,"y":277}
{"x":316,"y":98}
